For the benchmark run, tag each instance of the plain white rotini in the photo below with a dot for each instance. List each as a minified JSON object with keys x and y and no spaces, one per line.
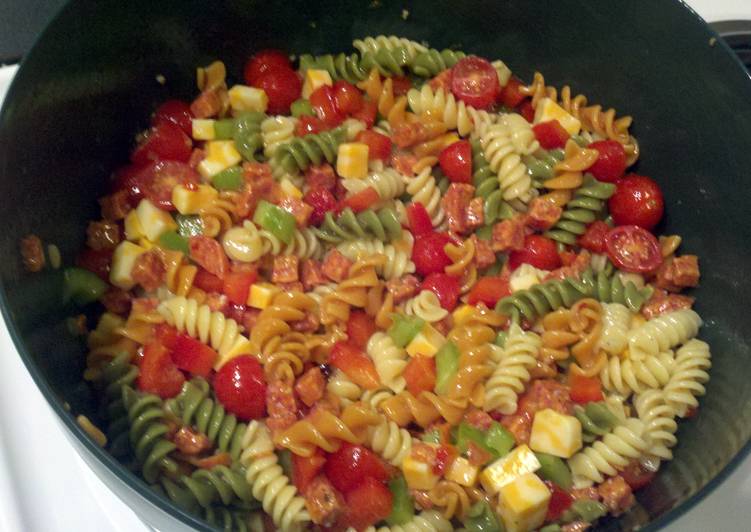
{"x":609,"y":455}
{"x":304,"y":244}
{"x":423,"y":189}
{"x":455,"y":114}
{"x":275,"y":131}
{"x":267,"y":481}
{"x":321,"y":290}
{"x":503,"y":159}
{"x":425,"y":306}
{"x":659,"y":423}
{"x":390,"y":441}
{"x":616,"y":321}
{"x":398,"y":261}
{"x":341,"y":386}
{"x":512,"y":372}
{"x":388,"y":42}
{"x":662,"y":333}
{"x":520,"y":132}
{"x":387,"y":182}
{"x":689,"y":375}
{"x":243,"y":243}
{"x":427,"y":521}
{"x":389,"y":360}
{"x":212,"y":328}
{"x":375,"y":398}
{"x":352,"y":127}
{"x":627,"y":376}
{"x":503,"y":71}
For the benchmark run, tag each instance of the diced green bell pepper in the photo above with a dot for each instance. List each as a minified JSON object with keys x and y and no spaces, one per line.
{"x":278,"y":222}
{"x":402,"y":508}
{"x":404,"y":329}
{"x":82,"y":286}
{"x":584,"y":510}
{"x":431,"y":436}
{"x":301,"y":107}
{"x":189,"y":225}
{"x":481,"y":518}
{"x":555,"y":470}
{"x":224,"y":129}
{"x":228,"y":179}
{"x":174,"y":240}
{"x":499,"y":440}
{"x":446,"y":366}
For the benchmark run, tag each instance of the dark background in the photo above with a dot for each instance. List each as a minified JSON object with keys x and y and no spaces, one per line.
{"x":20,"y":23}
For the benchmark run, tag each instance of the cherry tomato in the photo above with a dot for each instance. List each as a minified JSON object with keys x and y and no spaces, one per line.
{"x":324,"y":105}
{"x":322,"y":201}
{"x":593,"y":238}
{"x":401,"y":85}
{"x":379,"y":146}
{"x":158,"y":374}
{"x":511,"y":96}
{"x":456,"y":162}
{"x":585,"y":389}
{"x":367,"y":504}
{"x":611,"y":161}
{"x":637,"y":201}
{"x":527,"y":111}
{"x":236,"y":286}
{"x":367,"y":114}
{"x":209,"y":254}
{"x":360,"y":327}
{"x":445,"y":287}
{"x":157,"y":180}
{"x":208,"y":282}
{"x":560,"y":501}
{"x":193,"y":356}
{"x":420,"y":374}
{"x":362,"y":200}
{"x":475,"y":82}
{"x":96,"y":261}
{"x":356,"y":364}
{"x":241,"y":388}
{"x":348,"y":467}
{"x":419,"y":219}
{"x":165,"y":141}
{"x":282,"y":86}
{"x":551,"y":134}
{"x":305,"y":469}
{"x":307,"y":125}
{"x":636,"y":475}
{"x":176,"y":112}
{"x":489,"y":290}
{"x":538,"y":251}
{"x":263,"y":62}
{"x":428,"y":253}
{"x":633,"y":249}
{"x":347,"y":98}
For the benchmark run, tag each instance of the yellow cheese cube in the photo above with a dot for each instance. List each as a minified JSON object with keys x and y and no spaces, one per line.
{"x":548,"y":110}
{"x":261,"y":294}
{"x":463,"y":312}
{"x":133,"y":228}
{"x":191,"y":201}
{"x":555,"y":434}
{"x":427,"y":342}
{"x":518,"y":462}
{"x":352,"y":160}
{"x":220,"y":155}
{"x":244,"y":98}
{"x":154,"y":221}
{"x":145,"y":243}
{"x":523,"y":503}
{"x":462,"y":472}
{"x":524,"y":277}
{"x":315,"y":79}
{"x":123,"y":259}
{"x":289,"y":189}
{"x":418,"y":474}
{"x":203,"y":129}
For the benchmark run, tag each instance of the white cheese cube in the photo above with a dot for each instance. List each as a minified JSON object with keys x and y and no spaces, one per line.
{"x":315,"y":79}
{"x":203,"y":129}
{"x":462,"y":472}
{"x":220,"y":155}
{"x":556,"y":434}
{"x":523,"y":503}
{"x":133,"y":228}
{"x":418,"y":474}
{"x":506,"y":469}
{"x":525,"y":276}
{"x":548,"y":110}
{"x":154,"y":221}
{"x":189,"y":201}
{"x":123,"y":259}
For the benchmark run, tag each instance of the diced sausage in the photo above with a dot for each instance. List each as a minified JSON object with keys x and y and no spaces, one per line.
{"x":475,"y":215}
{"x":519,"y":425}
{"x":323,"y":501}
{"x":217,"y":302}
{"x":484,"y":255}
{"x":543,"y":214}
{"x":320,"y":176}
{"x":250,"y":316}
{"x":441,"y":81}
{"x":149,"y":271}
{"x":311,"y":386}
{"x":677,"y":273}
{"x":297,"y":208}
{"x":207,"y":104}
{"x":479,"y":419}
{"x":115,"y":206}
{"x":196,"y":156}
{"x":281,"y":406}
{"x":312,"y":274}
{"x":191,"y":442}
{"x":616,"y":495}
{"x":308,"y":324}
{"x":455,"y":203}
{"x":576,"y":526}
{"x":294,"y":286}
{"x":209,"y":254}
{"x":508,"y":235}
{"x":403,"y":288}
{"x":102,"y":235}
{"x":575,"y":269}
{"x":544,"y":393}
{"x":285,"y":269}
{"x":661,"y":303}
{"x":116,"y":301}
{"x":32,"y":253}
{"x":259,"y":177}
{"x":585,"y":493}
{"x":336,"y":266}
{"x":403,"y":163}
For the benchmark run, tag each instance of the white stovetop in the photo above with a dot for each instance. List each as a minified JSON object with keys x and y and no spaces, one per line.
{"x":46,"y":487}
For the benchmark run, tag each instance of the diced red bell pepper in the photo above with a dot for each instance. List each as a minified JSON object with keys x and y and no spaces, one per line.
{"x":356,"y":364}
{"x":305,"y":469}
{"x":551,"y":135}
{"x":360,"y":327}
{"x":193,"y":356}
{"x":158,"y":373}
{"x":560,"y":501}
{"x":420,"y":374}
{"x":511,"y":95}
{"x":379,"y":146}
{"x":236,"y":286}
{"x":585,"y":389}
{"x":489,"y":290}
{"x":361,"y":200}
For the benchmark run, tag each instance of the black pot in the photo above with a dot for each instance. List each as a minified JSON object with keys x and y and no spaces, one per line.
{"x":90,"y":83}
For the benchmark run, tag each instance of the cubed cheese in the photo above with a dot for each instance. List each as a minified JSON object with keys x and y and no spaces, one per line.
{"x":123,"y":259}
{"x":556,"y":434}
{"x":518,"y":462}
{"x":220,"y":155}
{"x":190,"y":201}
{"x":462,"y":472}
{"x":289,"y":189}
{"x":154,"y":221}
{"x":418,"y":474}
{"x":523,"y":503}
{"x":315,"y":79}
{"x":352,"y":160}
{"x":427,"y":342}
{"x":261,"y":294}
{"x":548,"y":110}
{"x":244,"y":98}
{"x":203,"y":129}
{"x":462,"y":312}
{"x":525,"y":276}
{"x":133,"y":228}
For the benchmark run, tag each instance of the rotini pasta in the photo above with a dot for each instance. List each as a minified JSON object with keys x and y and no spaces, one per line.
{"x":390,"y":441}
{"x":389,"y":360}
{"x":629,"y":375}
{"x":423,"y":189}
{"x":512,"y":372}
{"x":616,"y":321}
{"x":387,"y":182}
{"x":425,"y":306}
{"x":501,"y":152}
{"x":397,"y":261}
{"x":689,"y":374}
{"x":275,"y":131}
{"x":664,"y":332}
{"x":382,"y":225}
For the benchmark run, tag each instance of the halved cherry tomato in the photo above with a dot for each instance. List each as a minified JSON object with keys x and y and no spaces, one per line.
{"x":636,"y":475}
{"x":208,"y":282}
{"x":176,"y":112}
{"x":282,"y":86}
{"x":611,"y":161}
{"x":241,"y":387}
{"x":96,"y":261}
{"x":420,"y":374}
{"x":367,"y":504}
{"x":379,"y":146}
{"x":361,"y":200}
{"x":527,"y":111}
{"x":263,"y":62}
{"x":165,"y":141}
{"x":348,"y":467}
{"x":419,"y":219}
{"x":193,"y":356}
{"x":539,"y":251}
{"x":356,"y":364}
{"x":585,"y":389}
{"x":511,"y":95}
{"x":475,"y":82}
{"x":324,"y":105}
{"x":305,"y":469}
{"x":637,"y":201}
{"x":307,"y":124}
{"x":401,"y":85}
{"x":428,"y":253}
{"x":593,"y":238}
{"x":445,"y":286}
{"x":322,"y":201}
{"x":560,"y":501}
{"x":551,"y":135}
{"x":347,"y":97}
{"x":157,"y":180}
{"x":158,"y":374}
{"x":129,"y":178}
{"x":360,"y":327}
{"x":236,"y":286}
{"x":209,"y":254}
{"x":489,"y":290}
{"x":367,"y":114}
{"x":456,"y":162}
{"x":633,"y":249}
